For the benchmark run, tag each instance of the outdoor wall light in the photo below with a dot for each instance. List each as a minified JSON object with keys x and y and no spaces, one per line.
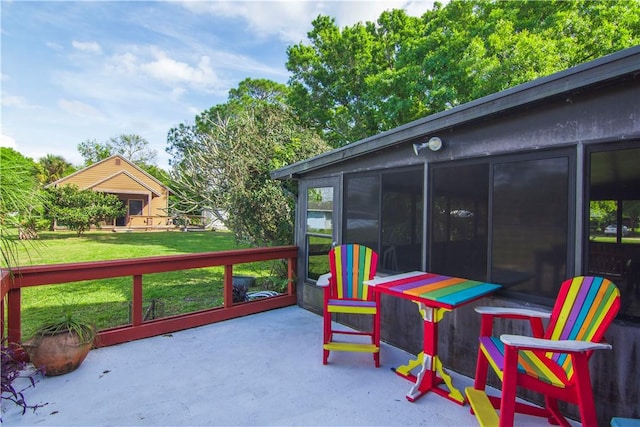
{"x":434,"y":144}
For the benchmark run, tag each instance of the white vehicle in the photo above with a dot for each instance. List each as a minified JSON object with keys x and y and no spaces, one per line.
{"x":613,"y":229}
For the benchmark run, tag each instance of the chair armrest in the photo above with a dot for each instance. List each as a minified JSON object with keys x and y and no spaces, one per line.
{"x":512,"y":312}
{"x":323,"y":280}
{"x":558,"y":346}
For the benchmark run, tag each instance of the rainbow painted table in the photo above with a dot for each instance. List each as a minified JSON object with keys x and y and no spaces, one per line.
{"x":435,"y":295}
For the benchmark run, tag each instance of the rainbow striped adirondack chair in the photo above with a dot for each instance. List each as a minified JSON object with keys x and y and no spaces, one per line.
{"x":344,"y":292}
{"x":554,"y":362}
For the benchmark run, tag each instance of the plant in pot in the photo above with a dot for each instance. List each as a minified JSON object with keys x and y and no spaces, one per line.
{"x":59,"y":347}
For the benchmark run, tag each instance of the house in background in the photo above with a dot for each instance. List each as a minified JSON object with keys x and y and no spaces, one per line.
{"x":500,"y":189}
{"x":146,"y":198}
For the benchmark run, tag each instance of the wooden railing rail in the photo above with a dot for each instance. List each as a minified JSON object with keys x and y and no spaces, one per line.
{"x":12,"y":282}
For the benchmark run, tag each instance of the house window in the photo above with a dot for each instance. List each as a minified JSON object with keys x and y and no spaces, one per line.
{"x":459,"y":221}
{"x":135,"y":207}
{"x":613,"y":249}
{"x":530,"y":224}
{"x":319,"y":229}
{"x":362,"y":213}
{"x":383,"y":211}
{"x":504,"y":219}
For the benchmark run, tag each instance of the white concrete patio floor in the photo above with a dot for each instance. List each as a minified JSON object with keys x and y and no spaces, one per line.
{"x":264,"y":369}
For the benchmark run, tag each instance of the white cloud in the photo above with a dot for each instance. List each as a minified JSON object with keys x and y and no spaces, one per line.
{"x":177,"y":93}
{"x":291,"y":20}
{"x":80,"y":109}
{"x":90,"y":47}
{"x":144,"y":65}
{"x":171,"y":71}
{"x":7,"y":141}
{"x":54,"y":46}
{"x":15,"y":101}
{"x":125,"y":63}
{"x":194,"y":111}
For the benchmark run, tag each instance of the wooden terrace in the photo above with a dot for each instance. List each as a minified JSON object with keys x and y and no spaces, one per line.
{"x":255,"y":363}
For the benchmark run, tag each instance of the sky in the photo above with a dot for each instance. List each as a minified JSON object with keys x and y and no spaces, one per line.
{"x":73,"y":71}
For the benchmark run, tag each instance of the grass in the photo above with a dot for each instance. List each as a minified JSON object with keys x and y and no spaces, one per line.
{"x":62,"y":247}
{"x":106,"y":302}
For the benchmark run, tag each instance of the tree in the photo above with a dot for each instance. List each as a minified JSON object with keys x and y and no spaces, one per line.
{"x":353,"y":82}
{"x":52,"y":168}
{"x":158,"y":173}
{"x":80,"y":209}
{"x":19,"y":200}
{"x":93,"y":152}
{"x":133,"y":147}
{"x":331,"y":77}
{"x":226,"y":166}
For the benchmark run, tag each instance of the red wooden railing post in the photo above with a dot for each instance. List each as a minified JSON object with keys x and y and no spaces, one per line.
{"x":228,"y":286}
{"x":291,"y":273}
{"x":14,"y":323}
{"x":136,"y":301}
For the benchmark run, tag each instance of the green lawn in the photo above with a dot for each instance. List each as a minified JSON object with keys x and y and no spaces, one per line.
{"x":106,"y":302}
{"x":61,"y":247}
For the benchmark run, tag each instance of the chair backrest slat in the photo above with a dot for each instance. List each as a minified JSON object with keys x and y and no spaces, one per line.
{"x":583,"y":311}
{"x":350,"y":265}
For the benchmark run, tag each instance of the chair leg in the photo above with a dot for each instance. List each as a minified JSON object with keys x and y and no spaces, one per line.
{"x":376,"y":332}
{"x":584,"y":391}
{"x":555,"y":417}
{"x":482,"y":364}
{"x":482,"y":368}
{"x":326,"y":336}
{"x":509,"y":381}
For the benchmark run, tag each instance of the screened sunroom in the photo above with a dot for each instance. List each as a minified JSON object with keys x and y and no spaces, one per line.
{"x":528,"y":187}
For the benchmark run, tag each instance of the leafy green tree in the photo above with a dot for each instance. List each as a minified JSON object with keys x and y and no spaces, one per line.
{"x":52,"y":168}
{"x":631,"y":210}
{"x":331,"y":86}
{"x":601,"y":212}
{"x":80,"y":209}
{"x":92,"y":151}
{"x":158,"y":173}
{"x":227,"y":156}
{"x":353,"y":82}
{"x":19,"y":201}
{"x":132,"y":147}
{"x":256,"y":92}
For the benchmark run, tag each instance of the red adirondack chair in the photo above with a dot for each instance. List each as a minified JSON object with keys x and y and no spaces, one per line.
{"x":553,"y":362}
{"x":345,"y":292}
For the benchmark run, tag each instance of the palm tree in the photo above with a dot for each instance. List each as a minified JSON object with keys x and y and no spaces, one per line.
{"x":52,"y":168}
{"x":19,"y":199}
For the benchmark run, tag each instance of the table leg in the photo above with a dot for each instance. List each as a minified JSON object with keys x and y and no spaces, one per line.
{"x":454,"y":394}
{"x":405,"y":370}
{"x":427,"y":378}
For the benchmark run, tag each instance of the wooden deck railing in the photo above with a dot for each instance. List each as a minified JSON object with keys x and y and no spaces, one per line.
{"x":12,"y":283}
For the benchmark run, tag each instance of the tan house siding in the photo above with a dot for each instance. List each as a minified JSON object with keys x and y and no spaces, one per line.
{"x":116,"y":175}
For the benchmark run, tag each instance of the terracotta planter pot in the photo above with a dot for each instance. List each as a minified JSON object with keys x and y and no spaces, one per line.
{"x":58,"y":354}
